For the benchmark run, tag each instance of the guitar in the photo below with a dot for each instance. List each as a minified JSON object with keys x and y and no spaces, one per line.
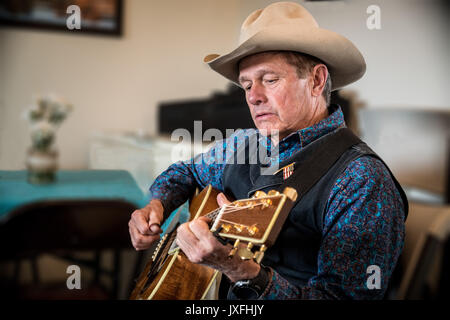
{"x":255,"y":222}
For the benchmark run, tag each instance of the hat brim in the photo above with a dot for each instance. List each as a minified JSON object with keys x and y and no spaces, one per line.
{"x":344,"y":61}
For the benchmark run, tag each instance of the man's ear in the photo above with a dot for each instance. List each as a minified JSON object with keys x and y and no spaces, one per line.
{"x":319,"y":77}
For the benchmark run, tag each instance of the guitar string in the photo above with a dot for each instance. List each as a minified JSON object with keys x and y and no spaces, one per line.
{"x":243,"y":225}
{"x":214,"y":213}
{"x":229,"y":209}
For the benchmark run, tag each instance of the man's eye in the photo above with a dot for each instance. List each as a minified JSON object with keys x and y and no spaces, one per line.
{"x":271,"y":80}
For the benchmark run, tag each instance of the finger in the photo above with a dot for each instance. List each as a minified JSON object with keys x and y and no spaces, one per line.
{"x":206,"y":219}
{"x":155,"y":228}
{"x":187,"y":249}
{"x":140,"y":221}
{"x":185,"y":234}
{"x":186,"y":240}
{"x":209,"y":243}
{"x":140,"y":241}
{"x":222,"y":200}
{"x":154,"y":222}
{"x":200,"y":229}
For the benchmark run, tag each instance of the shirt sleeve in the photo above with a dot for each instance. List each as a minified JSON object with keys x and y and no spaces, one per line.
{"x":178,"y":183}
{"x":363,"y":237}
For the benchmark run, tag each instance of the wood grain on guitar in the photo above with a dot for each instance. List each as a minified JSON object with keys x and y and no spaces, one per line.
{"x":254,"y":222}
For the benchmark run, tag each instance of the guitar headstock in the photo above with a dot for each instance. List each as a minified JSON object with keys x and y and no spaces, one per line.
{"x":256,"y":221}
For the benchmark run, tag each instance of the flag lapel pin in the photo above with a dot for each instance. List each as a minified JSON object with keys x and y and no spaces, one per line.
{"x":288,"y":171}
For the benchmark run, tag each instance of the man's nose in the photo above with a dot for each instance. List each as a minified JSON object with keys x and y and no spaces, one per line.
{"x":256,"y":95}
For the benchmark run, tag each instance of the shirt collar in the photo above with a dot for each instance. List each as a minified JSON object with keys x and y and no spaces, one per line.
{"x":303,"y":137}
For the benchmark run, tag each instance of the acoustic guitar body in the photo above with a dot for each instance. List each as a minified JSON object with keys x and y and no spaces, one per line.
{"x":170,"y":275}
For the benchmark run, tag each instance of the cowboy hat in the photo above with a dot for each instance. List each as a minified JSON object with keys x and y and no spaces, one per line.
{"x":287,"y":26}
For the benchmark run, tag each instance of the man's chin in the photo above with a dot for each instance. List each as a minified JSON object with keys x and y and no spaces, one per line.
{"x":268,"y":131}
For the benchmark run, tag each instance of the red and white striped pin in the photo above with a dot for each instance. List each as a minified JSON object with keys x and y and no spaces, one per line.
{"x":287,"y":170}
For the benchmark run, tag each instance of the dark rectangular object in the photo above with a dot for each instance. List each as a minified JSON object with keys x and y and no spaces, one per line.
{"x":102,"y":17}
{"x":220,"y":111}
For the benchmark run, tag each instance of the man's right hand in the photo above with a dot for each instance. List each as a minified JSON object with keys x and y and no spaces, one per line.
{"x":145,"y":225}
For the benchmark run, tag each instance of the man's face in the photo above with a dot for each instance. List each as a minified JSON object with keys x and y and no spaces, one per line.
{"x":278,"y":99}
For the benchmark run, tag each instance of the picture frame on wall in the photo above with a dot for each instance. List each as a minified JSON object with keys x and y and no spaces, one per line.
{"x":102,"y":17}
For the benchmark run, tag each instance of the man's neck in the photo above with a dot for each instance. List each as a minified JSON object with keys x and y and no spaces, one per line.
{"x":320,"y":112}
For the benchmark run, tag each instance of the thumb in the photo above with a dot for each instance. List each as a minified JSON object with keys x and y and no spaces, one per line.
{"x":154,"y":224}
{"x":222,"y":200}
{"x":155,"y":228}
{"x":205,"y":219}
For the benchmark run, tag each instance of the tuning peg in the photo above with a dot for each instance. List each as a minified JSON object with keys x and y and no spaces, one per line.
{"x":266,"y":203}
{"x":246,"y":253}
{"x":258,"y":256}
{"x":273,"y":193}
{"x":291,"y":193}
{"x":235,"y":248}
{"x":226,"y":227}
{"x":252,"y":230}
{"x":259,"y":194}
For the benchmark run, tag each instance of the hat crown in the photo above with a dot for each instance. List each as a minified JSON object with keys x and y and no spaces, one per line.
{"x":276,"y":14}
{"x":287,"y":26}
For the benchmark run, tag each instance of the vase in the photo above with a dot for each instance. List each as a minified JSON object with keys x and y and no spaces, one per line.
{"x":42,"y":165}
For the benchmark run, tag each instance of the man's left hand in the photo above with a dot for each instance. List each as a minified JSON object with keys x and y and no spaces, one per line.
{"x":201,"y":246}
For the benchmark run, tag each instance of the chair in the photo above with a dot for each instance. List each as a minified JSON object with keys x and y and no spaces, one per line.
{"x":67,"y":229}
{"x":426,"y":253}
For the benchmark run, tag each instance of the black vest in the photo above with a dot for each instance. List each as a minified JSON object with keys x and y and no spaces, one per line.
{"x":294,"y":254}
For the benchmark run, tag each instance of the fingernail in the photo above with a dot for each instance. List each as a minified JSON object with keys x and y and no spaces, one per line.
{"x":154,"y":227}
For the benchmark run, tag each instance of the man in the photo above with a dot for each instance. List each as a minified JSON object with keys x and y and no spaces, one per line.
{"x":351,"y":219}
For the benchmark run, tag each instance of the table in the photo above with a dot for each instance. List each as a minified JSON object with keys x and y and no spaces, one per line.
{"x":70,"y":186}
{"x":15,"y":191}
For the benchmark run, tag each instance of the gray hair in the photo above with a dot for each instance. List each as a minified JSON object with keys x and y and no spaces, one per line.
{"x":304,"y":63}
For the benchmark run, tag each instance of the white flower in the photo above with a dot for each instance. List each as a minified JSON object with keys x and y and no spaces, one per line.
{"x":33,"y":113}
{"x":45,"y":116}
{"x":43,"y":126}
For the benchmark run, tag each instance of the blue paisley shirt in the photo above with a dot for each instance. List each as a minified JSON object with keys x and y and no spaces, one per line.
{"x":364,"y":218}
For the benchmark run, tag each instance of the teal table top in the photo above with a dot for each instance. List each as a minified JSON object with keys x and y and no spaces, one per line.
{"x":15,"y":191}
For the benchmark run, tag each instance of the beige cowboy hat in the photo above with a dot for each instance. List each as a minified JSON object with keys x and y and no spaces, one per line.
{"x":287,"y":26}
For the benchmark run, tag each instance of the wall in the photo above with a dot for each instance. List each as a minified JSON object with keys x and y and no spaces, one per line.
{"x":114,"y":83}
